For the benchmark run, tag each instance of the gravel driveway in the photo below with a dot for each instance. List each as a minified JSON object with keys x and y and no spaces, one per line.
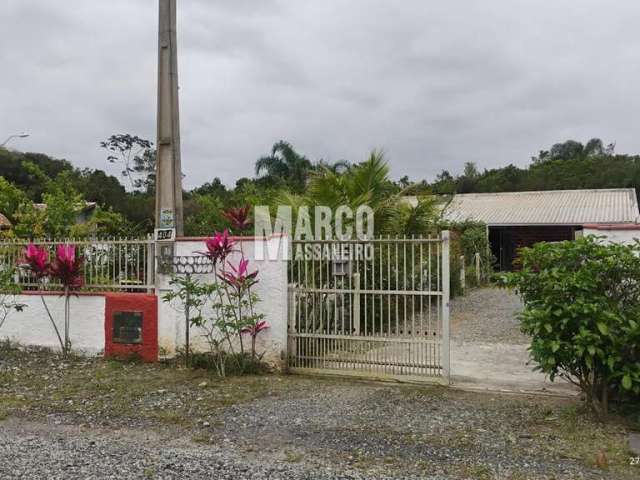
{"x":489,"y":351}
{"x":487,"y":315}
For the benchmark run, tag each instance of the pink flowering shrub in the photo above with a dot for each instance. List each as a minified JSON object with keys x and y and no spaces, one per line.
{"x":239,"y":278}
{"x":219,"y":247}
{"x":36,"y":259}
{"x":67,"y":267}
{"x":238,"y":218}
{"x":231,"y":301}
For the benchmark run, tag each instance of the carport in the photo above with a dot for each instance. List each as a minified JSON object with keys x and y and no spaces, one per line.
{"x":521,"y":219}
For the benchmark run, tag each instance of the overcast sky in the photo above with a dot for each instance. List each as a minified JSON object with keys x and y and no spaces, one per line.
{"x":433,"y":83}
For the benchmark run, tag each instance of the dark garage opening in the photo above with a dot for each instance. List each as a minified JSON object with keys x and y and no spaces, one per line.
{"x":505,"y":241}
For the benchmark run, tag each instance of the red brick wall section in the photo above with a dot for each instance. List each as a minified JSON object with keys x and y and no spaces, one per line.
{"x":132,"y":302}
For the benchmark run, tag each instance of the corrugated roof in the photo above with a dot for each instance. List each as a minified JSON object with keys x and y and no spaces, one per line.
{"x":552,"y":207}
{"x":4,"y":222}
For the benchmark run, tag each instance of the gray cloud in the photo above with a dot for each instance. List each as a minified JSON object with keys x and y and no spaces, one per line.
{"x":435,"y":84}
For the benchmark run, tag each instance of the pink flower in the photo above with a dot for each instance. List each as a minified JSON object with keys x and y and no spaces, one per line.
{"x":219,"y":246}
{"x":37,"y":260}
{"x":67,"y":267}
{"x":238,"y":217}
{"x":239,"y":278}
{"x":254,"y":330}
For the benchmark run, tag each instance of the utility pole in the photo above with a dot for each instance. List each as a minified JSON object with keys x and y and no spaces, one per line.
{"x":168,"y":164}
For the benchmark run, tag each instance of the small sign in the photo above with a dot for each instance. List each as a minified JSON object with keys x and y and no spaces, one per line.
{"x":167,"y":218}
{"x":165,"y":234}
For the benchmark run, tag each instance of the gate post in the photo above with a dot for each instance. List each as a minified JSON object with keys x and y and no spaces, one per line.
{"x":446,"y":355}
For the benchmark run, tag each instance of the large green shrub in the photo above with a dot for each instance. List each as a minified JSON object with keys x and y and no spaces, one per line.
{"x":582,"y":310}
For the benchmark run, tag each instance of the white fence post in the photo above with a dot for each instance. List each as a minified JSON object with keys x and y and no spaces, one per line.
{"x":478,"y":273}
{"x":446,"y":355}
{"x":151,"y":265}
{"x":463,"y":276}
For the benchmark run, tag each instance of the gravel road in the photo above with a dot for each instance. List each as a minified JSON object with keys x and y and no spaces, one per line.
{"x":338,"y":430}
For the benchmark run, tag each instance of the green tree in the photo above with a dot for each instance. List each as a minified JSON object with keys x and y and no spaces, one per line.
{"x":203,"y":215}
{"x":285,"y":167}
{"x":137,"y":157}
{"x":367,"y":183}
{"x":11,"y":197}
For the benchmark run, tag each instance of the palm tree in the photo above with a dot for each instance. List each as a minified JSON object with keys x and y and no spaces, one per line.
{"x":367,"y":183}
{"x":285,"y":166}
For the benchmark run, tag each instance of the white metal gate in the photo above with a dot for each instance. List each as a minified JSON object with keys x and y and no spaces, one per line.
{"x":374,"y":308}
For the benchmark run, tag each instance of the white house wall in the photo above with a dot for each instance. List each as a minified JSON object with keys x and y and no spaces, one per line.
{"x":623,"y":236}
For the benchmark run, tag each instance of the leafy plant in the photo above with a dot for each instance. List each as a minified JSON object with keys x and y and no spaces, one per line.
{"x":65,"y":268}
{"x":137,"y":156}
{"x":582,"y":310}
{"x":223,"y":310}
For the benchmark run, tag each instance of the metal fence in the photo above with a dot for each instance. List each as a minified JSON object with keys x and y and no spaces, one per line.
{"x":374,"y":308}
{"x":111,"y":264}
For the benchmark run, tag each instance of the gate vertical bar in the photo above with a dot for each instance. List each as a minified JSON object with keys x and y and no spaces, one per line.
{"x":446,"y":355}
{"x":292,"y":351}
{"x":356,"y":304}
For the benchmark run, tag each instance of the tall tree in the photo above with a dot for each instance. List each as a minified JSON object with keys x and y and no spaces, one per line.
{"x":367,"y":183}
{"x":285,"y":167}
{"x":137,"y":157}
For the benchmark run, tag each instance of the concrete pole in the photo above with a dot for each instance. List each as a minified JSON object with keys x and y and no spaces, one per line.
{"x":168,"y":164}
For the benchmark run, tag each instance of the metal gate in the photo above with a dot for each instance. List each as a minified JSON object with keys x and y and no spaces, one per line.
{"x":372,"y":308}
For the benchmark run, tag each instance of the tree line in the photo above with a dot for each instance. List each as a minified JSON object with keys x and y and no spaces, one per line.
{"x":283,"y":175}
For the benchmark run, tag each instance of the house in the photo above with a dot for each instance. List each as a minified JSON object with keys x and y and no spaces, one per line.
{"x":5,"y":224}
{"x":520,"y":219}
{"x":84,"y":212}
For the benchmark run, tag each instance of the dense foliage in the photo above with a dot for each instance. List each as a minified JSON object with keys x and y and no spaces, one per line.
{"x":567,"y":165}
{"x":582,"y":310}
{"x":284,"y":173}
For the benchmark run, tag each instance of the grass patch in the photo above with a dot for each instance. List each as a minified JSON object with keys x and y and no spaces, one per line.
{"x":574,"y":432}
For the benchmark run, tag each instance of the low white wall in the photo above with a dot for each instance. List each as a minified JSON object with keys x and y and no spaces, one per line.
{"x":33,"y":327}
{"x":271,"y":290}
{"x":615,"y":235}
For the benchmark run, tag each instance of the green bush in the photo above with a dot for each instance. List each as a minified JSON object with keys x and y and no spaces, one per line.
{"x":582,"y":310}
{"x":467,"y":239}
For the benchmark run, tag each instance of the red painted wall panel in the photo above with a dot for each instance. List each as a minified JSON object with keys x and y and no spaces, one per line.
{"x":132,"y":302}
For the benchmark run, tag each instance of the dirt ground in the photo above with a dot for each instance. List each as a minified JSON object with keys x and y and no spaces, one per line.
{"x":94,"y":419}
